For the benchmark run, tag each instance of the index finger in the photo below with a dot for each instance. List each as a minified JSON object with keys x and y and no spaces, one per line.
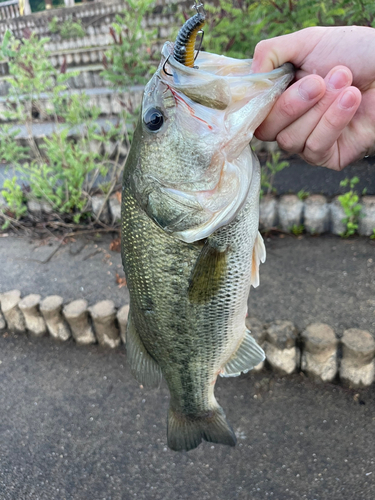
{"x":291,"y":105}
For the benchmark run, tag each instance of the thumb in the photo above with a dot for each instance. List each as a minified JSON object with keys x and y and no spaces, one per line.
{"x":272,"y":53}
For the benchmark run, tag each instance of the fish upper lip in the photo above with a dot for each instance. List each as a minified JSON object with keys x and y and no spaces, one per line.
{"x":167,"y":53}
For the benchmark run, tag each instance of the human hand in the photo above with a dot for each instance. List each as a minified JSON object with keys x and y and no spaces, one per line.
{"x":328,"y":115}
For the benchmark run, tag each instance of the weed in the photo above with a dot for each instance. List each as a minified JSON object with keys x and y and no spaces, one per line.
{"x":269,"y":170}
{"x":352,"y":208}
{"x":297,"y":229}
{"x":65,"y":167}
{"x":67,"y":29}
{"x":302,"y":194}
{"x":62,"y":172}
{"x":372,"y":237}
{"x":14,"y":197}
{"x":130,"y":59}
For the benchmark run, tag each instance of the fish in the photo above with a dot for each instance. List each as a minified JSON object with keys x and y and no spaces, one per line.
{"x":190,"y":242}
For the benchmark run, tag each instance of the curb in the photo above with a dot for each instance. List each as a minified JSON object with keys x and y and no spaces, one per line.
{"x":315,"y":214}
{"x":316,"y":351}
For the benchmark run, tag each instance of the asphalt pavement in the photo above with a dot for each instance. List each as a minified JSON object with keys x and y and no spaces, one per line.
{"x":75,"y":425}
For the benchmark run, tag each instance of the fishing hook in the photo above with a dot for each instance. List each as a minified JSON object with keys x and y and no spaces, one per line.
{"x":200,"y":44}
{"x":165,"y":62}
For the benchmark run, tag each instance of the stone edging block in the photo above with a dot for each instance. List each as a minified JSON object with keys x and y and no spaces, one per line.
{"x":122,"y":318}
{"x":12,"y":313}
{"x":268,"y":212}
{"x":315,"y":351}
{"x":316,"y":214}
{"x":357,"y":364}
{"x":319,"y":353}
{"x":103,"y":315}
{"x":337,"y":216}
{"x":77,"y":315}
{"x":290,"y":211}
{"x":367,"y":221}
{"x":51,"y":308}
{"x":280,"y":346}
{"x":35,"y":323}
{"x":258,"y":332}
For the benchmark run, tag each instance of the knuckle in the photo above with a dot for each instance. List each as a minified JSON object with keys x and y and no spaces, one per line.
{"x":287,"y":108}
{"x":261,"y":48}
{"x":262,"y":134}
{"x":288,"y":141}
{"x":314,"y":154}
{"x":312,"y":145}
{"x":332,"y":121}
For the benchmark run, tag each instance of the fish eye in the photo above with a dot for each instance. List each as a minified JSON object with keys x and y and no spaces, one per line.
{"x":153,"y":119}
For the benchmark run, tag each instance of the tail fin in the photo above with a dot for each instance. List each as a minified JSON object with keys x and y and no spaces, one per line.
{"x":186,"y":432}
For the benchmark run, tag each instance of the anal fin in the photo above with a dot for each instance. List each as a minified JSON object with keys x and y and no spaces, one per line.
{"x":143,"y":367}
{"x":248,"y":355}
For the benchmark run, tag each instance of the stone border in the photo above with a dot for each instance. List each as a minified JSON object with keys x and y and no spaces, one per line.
{"x":316,"y":351}
{"x":315,"y":213}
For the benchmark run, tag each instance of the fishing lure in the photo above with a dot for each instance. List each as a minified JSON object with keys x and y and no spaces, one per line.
{"x":185,"y":42}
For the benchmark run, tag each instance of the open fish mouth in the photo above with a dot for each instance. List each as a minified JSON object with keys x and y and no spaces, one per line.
{"x":218,"y":81}
{"x":215,"y":108}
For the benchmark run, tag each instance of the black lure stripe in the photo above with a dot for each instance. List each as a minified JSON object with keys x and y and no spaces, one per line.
{"x":184,"y":45}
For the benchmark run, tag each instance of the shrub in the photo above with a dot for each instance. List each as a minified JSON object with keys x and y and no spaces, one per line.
{"x":234,"y":27}
{"x":63,"y":170}
{"x":130,"y":60}
{"x":68,"y":29}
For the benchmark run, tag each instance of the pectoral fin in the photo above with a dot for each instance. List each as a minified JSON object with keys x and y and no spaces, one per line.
{"x":248,"y":355}
{"x":142,"y":365}
{"x":259,"y":256}
{"x":208,"y":272}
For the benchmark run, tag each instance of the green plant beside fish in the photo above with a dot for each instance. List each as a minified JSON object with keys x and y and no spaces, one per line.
{"x":190,"y":241}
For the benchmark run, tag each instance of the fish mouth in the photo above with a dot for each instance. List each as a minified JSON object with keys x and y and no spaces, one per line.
{"x":214,"y":108}
{"x":223,"y":93}
{"x":217,"y":81}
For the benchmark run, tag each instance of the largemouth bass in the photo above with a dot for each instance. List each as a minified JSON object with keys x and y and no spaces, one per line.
{"x":190,"y":242}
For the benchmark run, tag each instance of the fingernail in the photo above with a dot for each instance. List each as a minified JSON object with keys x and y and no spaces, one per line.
{"x":347,"y":100}
{"x":338,"y":79}
{"x":309,"y":89}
